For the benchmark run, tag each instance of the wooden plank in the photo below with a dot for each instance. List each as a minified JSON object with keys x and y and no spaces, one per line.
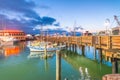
{"x":116,"y":41}
{"x":115,"y":37}
{"x":104,"y":47}
{"x":115,"y":47}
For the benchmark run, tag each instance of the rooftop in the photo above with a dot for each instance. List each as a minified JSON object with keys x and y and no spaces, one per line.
{"x":11,"y":31}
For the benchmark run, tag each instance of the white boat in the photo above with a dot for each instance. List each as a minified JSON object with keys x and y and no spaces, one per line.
{"x":45,"y":46}
{"x":6,"y":40}
{"x":38,"y":48}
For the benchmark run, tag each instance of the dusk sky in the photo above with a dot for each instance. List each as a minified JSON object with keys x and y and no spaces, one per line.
{"x":61,"y":15}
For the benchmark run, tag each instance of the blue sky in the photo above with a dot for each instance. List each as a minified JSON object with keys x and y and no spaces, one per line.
{"x":59,"y":14}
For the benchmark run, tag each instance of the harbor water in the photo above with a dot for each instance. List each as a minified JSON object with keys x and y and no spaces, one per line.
{"x":18,"y":64}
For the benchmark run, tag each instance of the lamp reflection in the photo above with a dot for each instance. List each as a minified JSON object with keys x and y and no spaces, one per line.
{"x":46,"y":65}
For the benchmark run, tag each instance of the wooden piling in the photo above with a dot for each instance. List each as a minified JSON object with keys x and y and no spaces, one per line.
{"x":95,"y":53}
{"x":100,"y":53}
{"x":114,"y":65}
{"x":75,"y":48}
{"x":58,"y":65}
{"x":45,"y":51}
{"x":83,"y":50}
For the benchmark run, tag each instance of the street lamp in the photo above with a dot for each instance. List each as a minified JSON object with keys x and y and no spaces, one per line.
{"x":107,"y":23}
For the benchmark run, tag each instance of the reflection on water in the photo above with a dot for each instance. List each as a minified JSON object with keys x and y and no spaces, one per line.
{"x":73,"y":66}
{"x":35,"y":54}
{"x":89,"y":69}
{"x":40,"y":54}
{"x":13,"y":50}
{"x":83,"y":76}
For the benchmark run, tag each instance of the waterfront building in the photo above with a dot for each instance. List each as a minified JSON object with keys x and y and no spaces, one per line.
{"x":116,"y":30}
{"x":105,"y":32}
{"x":16,"y":34}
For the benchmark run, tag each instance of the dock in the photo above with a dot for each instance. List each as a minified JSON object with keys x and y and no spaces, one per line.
{"x":109,"y":44}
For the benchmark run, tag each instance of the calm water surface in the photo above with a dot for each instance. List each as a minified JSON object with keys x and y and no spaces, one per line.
{"x":19,"y":66}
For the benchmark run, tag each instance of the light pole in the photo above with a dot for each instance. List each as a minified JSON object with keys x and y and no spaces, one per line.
{"x":107,"y":22}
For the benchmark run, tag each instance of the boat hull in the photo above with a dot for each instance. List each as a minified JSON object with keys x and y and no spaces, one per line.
{"x":47,"y":49}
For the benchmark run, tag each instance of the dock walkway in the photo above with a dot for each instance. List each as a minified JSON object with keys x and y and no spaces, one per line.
{"x":108,"y":43}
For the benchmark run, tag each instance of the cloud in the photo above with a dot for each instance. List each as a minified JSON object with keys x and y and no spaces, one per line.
{"x":57,"y":24}
{"x":47,"y":20}
{"x":22,"y":6}
{"x":20,"y":14}
{"x":44,"y":7}
{"x":6,"y":23}
{"x":26,"y":25}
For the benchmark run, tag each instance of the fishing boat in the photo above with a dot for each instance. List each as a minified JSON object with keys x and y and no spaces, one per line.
{"x":42,"y":46}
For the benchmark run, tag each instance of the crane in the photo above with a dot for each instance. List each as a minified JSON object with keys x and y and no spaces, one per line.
{"x":116,"y":30}
{"x":116,"y":18}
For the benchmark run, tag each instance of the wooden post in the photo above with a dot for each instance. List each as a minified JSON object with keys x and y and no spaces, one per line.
{"x":58,"y":65}
{"x":83,"y":50}
{"x":66,"y":45}
{"x":99,"y":41}
{"x":45,"y":51}
{"x":80,"y":42}
{"x":92,"y":39}
{"x":109,"y":44}
{"x":75,"y":48}
{"x":70,"y":47}
{"x":95,"y":53}
{"x":100,"y":53}
{"x":114,"y":65}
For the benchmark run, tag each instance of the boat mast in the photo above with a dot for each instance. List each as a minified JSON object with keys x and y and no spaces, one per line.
{"x":41,"y":34}
{"x":74,"y":26}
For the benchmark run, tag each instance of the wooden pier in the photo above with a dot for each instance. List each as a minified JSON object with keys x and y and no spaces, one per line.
{"x":110,"y":43}
{"x":107,"y":45}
